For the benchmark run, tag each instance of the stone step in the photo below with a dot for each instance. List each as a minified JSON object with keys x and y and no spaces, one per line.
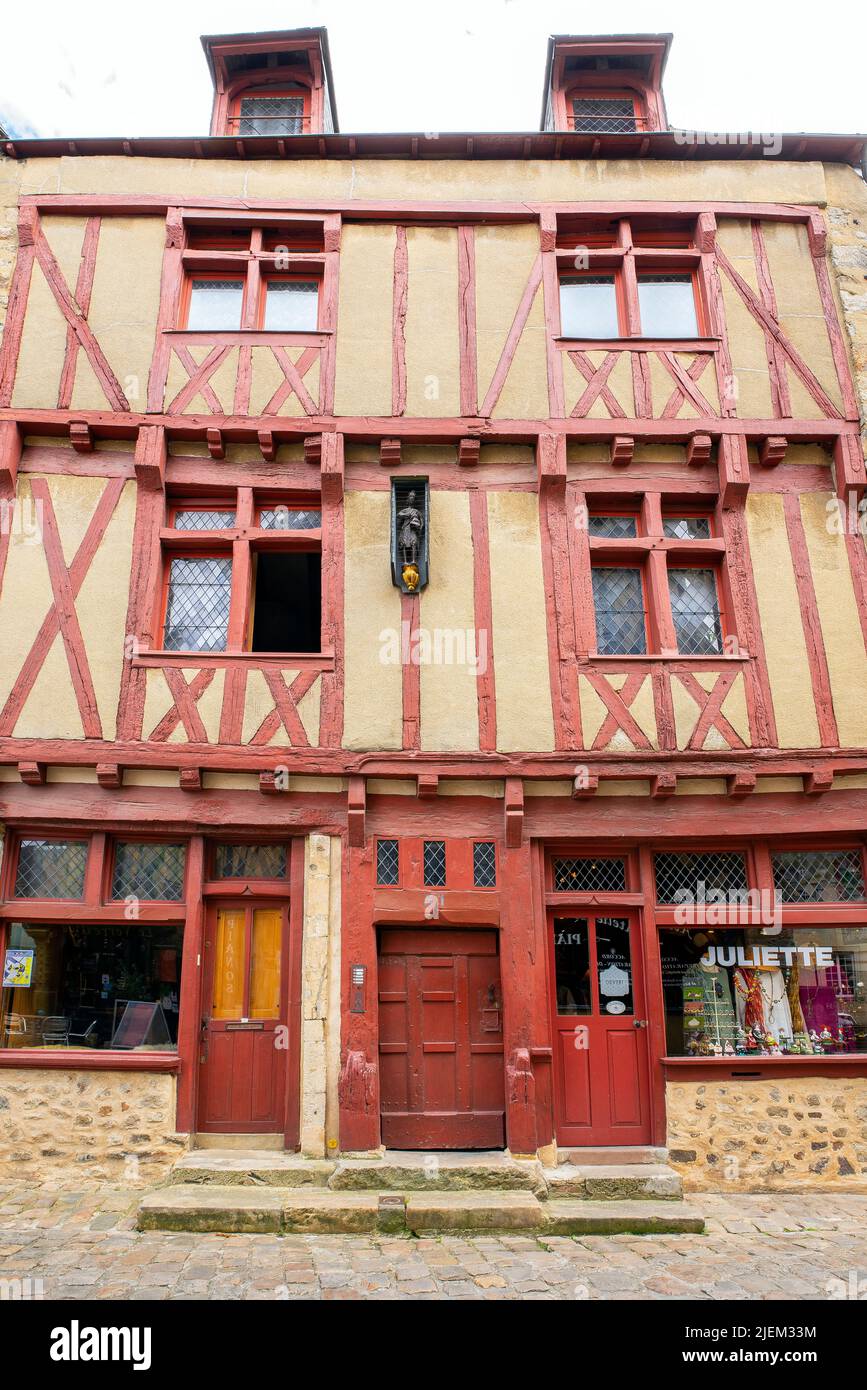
{"x":252,"y":1167}
{"x":238,"y":1209}
{"x":438,"y":1172}
{"x":240,"y":1141}
{"x":614,"y":1181}
{"x":602,"y":1157}
{"x":569,"y":1216}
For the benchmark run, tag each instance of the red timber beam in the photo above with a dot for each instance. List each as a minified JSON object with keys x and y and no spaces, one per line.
{"x":557,"y":577}
{"x":810,"y":621}
{"x":14,"y":325}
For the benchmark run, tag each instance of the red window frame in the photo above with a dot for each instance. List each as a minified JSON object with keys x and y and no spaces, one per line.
{"x":581,"y":92}
{"x":260,"y":89}
{"x":617,"y":274}
{"x":253,"y":263}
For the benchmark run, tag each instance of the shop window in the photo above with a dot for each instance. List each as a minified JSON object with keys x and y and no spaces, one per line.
{"x":435,"y":863}
{"x":484,"y":864}
{"x":682,"y":878}
{"x":287,"y":602}
{"x":387,"y":863}
{"x":731,"y":992}
{"x":148,"y":870}
{"x":250,"y":861}
{"x":819,"y":876}
{"x":589,"y":875}
{"x":695,"y":611}
{"x":51,"y":869}
{"x":97,"y":986}
{"x":618,"y":602}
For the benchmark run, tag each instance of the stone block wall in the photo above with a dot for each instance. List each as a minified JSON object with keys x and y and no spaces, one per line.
{"x":769,"y":1135}
{"x":79,"y":1126}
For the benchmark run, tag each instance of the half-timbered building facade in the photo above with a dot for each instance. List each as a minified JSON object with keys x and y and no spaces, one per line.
{"x":433,"y":699}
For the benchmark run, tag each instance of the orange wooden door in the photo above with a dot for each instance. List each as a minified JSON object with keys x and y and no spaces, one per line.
{"x":441,"y":1040}
{"x":600,"y":1033}
{"x":242,"y":1073}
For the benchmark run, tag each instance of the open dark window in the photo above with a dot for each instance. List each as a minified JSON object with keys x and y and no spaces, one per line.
{"x":286,"y":615}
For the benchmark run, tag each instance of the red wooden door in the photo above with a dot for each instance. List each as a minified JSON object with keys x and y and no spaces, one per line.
{"x":441,"y":1040}
{"x":600,"y":1033}
{"x":242,"y":1073}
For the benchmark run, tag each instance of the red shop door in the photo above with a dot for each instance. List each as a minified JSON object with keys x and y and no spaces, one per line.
{"x":600,"y":1033}
{"x":242,"y":1075}
{"x":441,"y":1040}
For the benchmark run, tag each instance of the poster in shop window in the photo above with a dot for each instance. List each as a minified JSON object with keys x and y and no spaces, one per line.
{"x":18,"y":969}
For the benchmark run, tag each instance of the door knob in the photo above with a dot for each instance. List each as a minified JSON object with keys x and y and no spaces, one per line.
{"x":639,"y":1023}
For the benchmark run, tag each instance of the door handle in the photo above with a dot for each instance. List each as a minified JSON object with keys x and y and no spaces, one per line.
{"x":639,"y":1023}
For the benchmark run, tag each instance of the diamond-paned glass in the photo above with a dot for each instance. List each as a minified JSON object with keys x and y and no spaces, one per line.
{"x":51,"y":869}
{"x":292,"y":306}
{"x":250,"y":861}
{"x":215,"y":305}
{"x":618,"y":598}
{"x":193,"y":519}
{"x":435,"y":863}
{"x":587,"y":875}
{"x":695,"y":610}
{"x":612,"y":528}
{"x":197,"y":612}
{"x":271,"y":116}
{"x":484,"y":864}
{"x":289,"y":519}
{"x":689,"y":877}
{"x":387,"y":863}
{"x":604,"y":115}
{"x":819,"y":876}
{"x":686,"y":528}
{"x":588,"y":307}
{"x":148,"y":870}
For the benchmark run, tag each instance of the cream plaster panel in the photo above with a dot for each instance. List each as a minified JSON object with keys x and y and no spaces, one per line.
{"x":26,"y":590}
{"x":785,"y":784}
{"x":149,"y":777}
{"x":51,"y":710}
{"x":544,"y":180}
{"x":316,"y":784}
{"x":374,"y":605}
{"x":391,"y":786}
{"x":492,"y":787}
{"x":782,"y":630}
{"x":638,"y":786}
{"x":259,"y":703}
{"x":700,"y":786}
{"x":432,"y":345}
{"x":230,"y":781}
{"x":449,"y":688}
{"x":686,"y":711}
{"x":42,"y":350}
{"x":524,"y":716}
{"x":643,"y":712}
{"x":102,"y":600}
{"x":308,"y":710}
{"x":734,"y":708}
{"x":68,"y":773}
{"x":505,"y":256}
{"x":838,"y":615}
{"x":593,"y":711}
{"x":541,"y":787}
{"x":364,"y":354}
{"x":124,"y":304}
{"x":799,"y":305}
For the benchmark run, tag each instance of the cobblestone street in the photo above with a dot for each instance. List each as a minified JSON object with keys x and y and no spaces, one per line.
{"x":83,"y":1245}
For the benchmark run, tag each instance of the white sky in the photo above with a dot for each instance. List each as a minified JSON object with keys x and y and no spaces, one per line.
{"x":78,"y":68}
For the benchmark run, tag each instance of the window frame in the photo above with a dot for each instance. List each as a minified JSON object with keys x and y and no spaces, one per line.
{"x":241,"y":543}
{"x":288,"y":86}
{"x":255,"y":264}
{"x":268,"y":278}
{"x":190,"y":280}
{"x":581,"y":92}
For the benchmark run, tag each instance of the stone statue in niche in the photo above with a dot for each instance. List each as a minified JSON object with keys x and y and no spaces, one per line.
{"x":410,"y":524}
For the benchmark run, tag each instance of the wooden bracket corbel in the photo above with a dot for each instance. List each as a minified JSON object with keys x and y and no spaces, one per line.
{"x":332,"y":467}
{"x":741,"y":783}
{"x":622,"y":450}
{"x":734,"y":469}
{"x":109,"y":775}
{"x":849,"y":471}
{"x":818,"y":781}
{"x":10,"y":456}
{"x":427,"y":785}
{"x":389,"y":452}
{"x":817,"y":235}
{"x":773,"y":450}
{"x":151,"y":452}
{"x":32,"y":773}
{"x":313,"y":450}
{"x":268,"y":782}
{"x":216,"y":443}
{"x":80,"y":436}
{"x":584,"y":784}
{"x":663,"y":784}
{"x":356,"y":811}
{"x":513,"y":813}
{"x":551,"y":462}
{"x":698,"y":450}
{"x":469,"y":452}
{"x":705,"y":232}
{"x":190,"y":779}
{"x":331,"y":225}
{"x":267,"y":445}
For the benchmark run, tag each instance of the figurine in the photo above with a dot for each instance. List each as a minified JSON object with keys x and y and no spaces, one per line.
{"x":826,"y":1040}
{"x":728,"y":1050}
{"x":740,"y":1042}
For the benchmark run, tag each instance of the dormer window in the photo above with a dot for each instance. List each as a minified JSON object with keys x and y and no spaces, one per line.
{"x":608,"y":114}
{"x":263,"y":111}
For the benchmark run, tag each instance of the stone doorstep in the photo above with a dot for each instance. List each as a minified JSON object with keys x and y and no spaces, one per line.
{"x":439,"y":1172}
{"x":602,"y":1157}
{"x":247,"y":1210}
{"x":251,"y":1168}
{"x":614,"y":1182}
